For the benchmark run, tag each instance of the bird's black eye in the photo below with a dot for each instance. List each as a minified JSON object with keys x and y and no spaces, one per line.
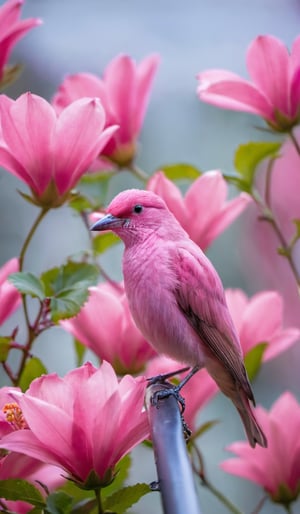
{"x":137,"y":208}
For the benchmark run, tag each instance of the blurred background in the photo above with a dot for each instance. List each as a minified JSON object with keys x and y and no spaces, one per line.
{"x":190,"y":36}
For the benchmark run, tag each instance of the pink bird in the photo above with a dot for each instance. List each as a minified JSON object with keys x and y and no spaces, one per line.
{"x":176,"y":297}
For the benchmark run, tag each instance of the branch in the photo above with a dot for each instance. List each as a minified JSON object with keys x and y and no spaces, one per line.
{"x":174,"y":471}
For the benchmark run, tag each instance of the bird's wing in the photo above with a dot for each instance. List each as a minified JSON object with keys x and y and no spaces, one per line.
{"x":200,"y":297}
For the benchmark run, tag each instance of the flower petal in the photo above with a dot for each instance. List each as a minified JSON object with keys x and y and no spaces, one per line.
{"x":233,"y":92}
{"x":268,"y":65}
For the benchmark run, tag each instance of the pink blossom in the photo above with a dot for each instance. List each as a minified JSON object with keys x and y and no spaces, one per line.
{"x":260,"y":244}
{"x":203,"y":212}
{"x":124,"y":92}
{"x":105,"y":325}
{"x":198,"y":391}
{"x":274,"y":92}
{"x":12,"y":29}
{"x":16,"y":465}
{"x":276,"y":468}
{"x":84,"y":423}
{"x":10,"y":297}
{"x":50,"y":152}
{"x":259,"y":319}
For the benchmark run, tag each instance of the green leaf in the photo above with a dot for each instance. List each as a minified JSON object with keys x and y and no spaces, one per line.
{"x":15,"y":489}
{"x":204,"y":427}
{"x":80,"y":350}
{"x":103,"y":241}
{"x":253,"y":359}
{"x":180,"y":171}
{"x":123,"y":499}
{"x":4,"y":347}
{"x":59,"y":503}
{"x":28,"y":283}
{"x":94,"y":188}
{"x":67,"y":288}
{"x":80,"y":203}
{"x":249,"y":155}
{"x":33,"y":368}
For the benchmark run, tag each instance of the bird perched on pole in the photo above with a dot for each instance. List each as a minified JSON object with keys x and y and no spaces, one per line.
{"x":176,"y":297}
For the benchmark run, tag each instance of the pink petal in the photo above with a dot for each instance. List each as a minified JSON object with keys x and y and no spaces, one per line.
{"x":295,"y":77}
{"x":237,"y":302}
{"x":79,"y":139}
{"x":27,"y":126}
{"x":232,"y":92}
{"x":281,"y":342}
{"x":204,"y":224}
{"x":10,"y":13}
{"x":77,"y":86}
{"x":12,"y":36}
{"x":268,"y":65}
{"x":230,"y":211}
{"x":170,"y":193}
{"x":121,"y":87}
{"x":102,"y":308}
{"x":145,"y":75}
{"x":262,"y":318}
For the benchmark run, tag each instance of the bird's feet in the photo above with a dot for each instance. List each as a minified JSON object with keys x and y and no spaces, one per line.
{"x":165,"y":393}
{"x":160,"y":379}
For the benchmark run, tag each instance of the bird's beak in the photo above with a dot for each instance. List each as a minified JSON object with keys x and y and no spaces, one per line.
{"x":109,"y":222}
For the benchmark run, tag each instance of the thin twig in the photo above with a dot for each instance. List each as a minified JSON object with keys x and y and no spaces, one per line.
{"x":294,"y":141}
{"x":200,"y":472}
{"x":138,"y":172}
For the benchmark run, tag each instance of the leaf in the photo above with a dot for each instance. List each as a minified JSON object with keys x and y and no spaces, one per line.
{"x":204,"y":427}
{"x":28,"y":283}
{"x":80,"y":350}
{"x":249,"y":155}
{"x":4,"y":347}
{"x":123,"y":499}
{"x":80,"y":203}
{"x":59,"y":503}
{"x":33,"y":368}
{"x":253,"y":359}
{"x":180,"y":171}
{"x":94,"y":188}
{"x":67,"y":288}
{"x":103,"y":241}
{"x":15,"y":489}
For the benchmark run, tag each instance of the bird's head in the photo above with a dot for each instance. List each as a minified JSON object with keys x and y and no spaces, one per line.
{"x":134,"y":212}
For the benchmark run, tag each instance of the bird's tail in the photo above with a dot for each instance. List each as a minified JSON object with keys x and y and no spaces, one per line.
{"x":252,"y":428}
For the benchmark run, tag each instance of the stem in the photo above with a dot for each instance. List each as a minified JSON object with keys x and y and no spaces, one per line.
{"x":138,"y":172}
{"x":98,"y":501}
{"x":30,"y":234}
{"x":204,"y":481}
{"x":294,"y":141}
{"x":288,"y":508}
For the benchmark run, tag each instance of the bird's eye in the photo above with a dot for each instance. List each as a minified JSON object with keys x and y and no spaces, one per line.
{"x":137,"y":208}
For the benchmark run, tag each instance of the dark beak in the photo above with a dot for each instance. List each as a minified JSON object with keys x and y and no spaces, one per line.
{"x":109,"y":222}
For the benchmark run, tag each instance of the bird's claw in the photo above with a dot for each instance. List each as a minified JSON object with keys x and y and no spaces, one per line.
{"x":154,"y":486}
{"x":165,"y":393}
{"x":160,"y":379}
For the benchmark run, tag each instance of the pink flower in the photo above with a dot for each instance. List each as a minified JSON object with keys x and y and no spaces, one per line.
{"x":260,"y":243}
{"x":16,"y":465}
{"x":198,"y":391}
{"x":84,"y":423}
{"x":124,"y":92}
{"x":10,"y":297}
{"x":259,"y":320}
{"x":12,"y":29}
{"x":276,"y":468}
{"x":105,"y":325}
{"x":274,"y":93}
{"x":50,"y":152}
{"x":203,"y":212}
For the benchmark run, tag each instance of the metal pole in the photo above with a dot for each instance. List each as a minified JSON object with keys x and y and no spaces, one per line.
{"x":175,"y":477}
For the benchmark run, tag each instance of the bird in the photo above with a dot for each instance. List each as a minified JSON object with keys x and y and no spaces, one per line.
{"x":176,"y":297}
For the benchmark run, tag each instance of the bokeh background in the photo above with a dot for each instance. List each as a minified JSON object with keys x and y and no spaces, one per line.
{"x":190,"y":36}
